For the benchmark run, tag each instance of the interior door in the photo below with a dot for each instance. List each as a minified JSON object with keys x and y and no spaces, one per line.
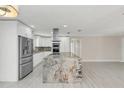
{"x":75,"y":46}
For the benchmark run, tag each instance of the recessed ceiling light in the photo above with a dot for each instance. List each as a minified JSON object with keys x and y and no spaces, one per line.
{"x":65,"y":25}
{"x":32,"y":26}
{"x":28,"y":29}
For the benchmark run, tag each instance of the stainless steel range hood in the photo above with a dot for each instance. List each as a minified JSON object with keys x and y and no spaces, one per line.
{"x":56,"y":35}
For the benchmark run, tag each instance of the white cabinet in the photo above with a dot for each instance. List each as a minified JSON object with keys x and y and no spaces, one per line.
{"x":24,"y":30}
{"x":47,"y":42}
{"x":37,"y":41}
{"x":64,"y":44}
{"x":38,"y":57}
{"x":40,"y":41}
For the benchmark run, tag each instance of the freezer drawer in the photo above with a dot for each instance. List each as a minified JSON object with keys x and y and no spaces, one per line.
{"x":25,"y":69}
{"x":25,"y":60}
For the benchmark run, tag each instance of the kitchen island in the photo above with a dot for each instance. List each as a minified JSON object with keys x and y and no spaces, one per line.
{"x":95,"y":75}
{"x":62,"y":68}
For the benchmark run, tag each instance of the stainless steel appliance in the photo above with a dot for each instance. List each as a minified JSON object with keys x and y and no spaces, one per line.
{"x":25,"y":56}
{"x":56,"y":46}
{"x":56,"y":41}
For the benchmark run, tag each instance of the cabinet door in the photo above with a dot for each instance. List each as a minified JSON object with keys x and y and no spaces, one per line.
{"x":49,"y":42}
{"x":36,"y":41}
{"x":24,"y":30}
{"x":65,"y":44}
{"x":42,"y":41}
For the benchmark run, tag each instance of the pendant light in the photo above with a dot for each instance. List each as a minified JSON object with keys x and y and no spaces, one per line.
{"x":9,"y":11}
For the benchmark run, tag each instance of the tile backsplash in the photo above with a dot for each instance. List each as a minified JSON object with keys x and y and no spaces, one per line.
{"x":41,"y":49}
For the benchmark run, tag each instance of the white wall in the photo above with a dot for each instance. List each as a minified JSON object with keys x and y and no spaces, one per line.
{"x":101,"y":48}
{"x":98,"y":49}
{"x":8,"y":51}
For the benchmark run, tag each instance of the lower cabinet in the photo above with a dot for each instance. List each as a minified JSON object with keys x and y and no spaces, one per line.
{"x":38,"y":57}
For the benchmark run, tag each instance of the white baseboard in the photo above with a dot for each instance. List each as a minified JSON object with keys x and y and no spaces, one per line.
{"x":102,"y":60}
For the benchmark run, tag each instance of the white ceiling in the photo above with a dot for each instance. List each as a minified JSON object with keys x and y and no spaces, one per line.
{"x":93,"y":20}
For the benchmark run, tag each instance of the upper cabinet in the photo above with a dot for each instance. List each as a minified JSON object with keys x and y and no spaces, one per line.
{"x":24,"y":30}
{"x":48,"y":42}
{"x":42,"y":41}
{"x":37,"y":41}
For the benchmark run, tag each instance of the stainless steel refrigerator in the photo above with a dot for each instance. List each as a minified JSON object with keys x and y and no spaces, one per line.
{"x":25,"y":56}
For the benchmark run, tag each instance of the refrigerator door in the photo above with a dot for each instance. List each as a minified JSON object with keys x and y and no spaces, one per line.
{"x":26,"y":60}
{"x":30,"y":47}
{"x":25,"y":46}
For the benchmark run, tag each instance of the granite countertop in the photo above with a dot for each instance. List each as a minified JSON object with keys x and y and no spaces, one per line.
{"x":63,"y":68}
{"x":39,"y":52}
{"x":64,"y":55}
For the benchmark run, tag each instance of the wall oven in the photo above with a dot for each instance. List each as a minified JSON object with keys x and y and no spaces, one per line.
{"x":56,"y":47}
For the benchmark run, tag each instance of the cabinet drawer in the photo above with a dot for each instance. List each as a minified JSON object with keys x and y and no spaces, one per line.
{"x":25,"y":69}
{"x":25,"y":60}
